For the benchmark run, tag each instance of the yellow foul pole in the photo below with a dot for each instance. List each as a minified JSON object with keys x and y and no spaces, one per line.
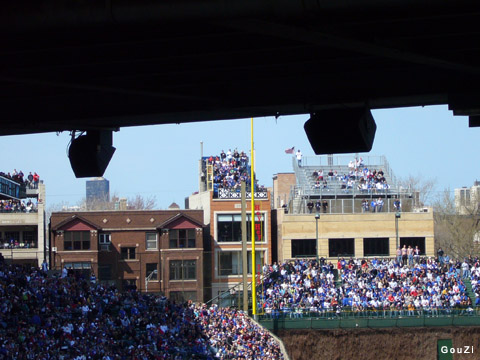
{"x":252,"y":217}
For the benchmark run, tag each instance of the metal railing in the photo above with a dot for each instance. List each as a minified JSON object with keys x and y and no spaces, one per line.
{"x":349,"y":205}
{"x":322,"y":161}
{"x":371,"y":319}
{"x":236,"y":194}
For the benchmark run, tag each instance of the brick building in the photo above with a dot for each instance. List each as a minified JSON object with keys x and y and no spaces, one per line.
{"x":159,"y":251}
{"x":222,"y":214}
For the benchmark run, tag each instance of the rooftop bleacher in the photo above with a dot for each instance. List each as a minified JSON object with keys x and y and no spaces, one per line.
{"x":338,"y":178}
{"x":223,"y":174}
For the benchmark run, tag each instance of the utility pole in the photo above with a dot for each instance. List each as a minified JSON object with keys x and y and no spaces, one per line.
{"x":244,"y":248}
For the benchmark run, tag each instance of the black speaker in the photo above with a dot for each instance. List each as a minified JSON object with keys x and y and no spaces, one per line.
{"x":337,"y":131}
{"x":90,"y":153}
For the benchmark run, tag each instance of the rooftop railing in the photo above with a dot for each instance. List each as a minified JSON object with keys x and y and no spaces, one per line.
{"x":230,"y":194}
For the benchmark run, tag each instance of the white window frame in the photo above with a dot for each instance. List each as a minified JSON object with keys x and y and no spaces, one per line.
{"x":105,"y":240}
{"x":147,"y":241}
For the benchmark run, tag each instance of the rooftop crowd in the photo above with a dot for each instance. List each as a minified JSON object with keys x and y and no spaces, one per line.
{"x":31,"y":180}
{"x":359,"y":177}
{"x":229,"y":170}
{"x":17,"y":206}
{"x":71,"y":317}
{"x":388,"y":286}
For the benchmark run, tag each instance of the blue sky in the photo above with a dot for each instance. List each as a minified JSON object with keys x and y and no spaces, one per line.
{"x":162,"y":160}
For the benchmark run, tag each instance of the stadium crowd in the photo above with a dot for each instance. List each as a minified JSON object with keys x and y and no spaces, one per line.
{"x":374,"y":286}
{"x":71,"y":317}
{"x":473,"y":267}
{"x":31,"y":181}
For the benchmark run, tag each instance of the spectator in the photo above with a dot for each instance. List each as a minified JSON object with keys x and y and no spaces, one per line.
{"x":440,"y":255}
{"x":465,"y":270}
{"x":379,"y":205}
{"x":310,"y":206}
{"x":325,"y":206}
{"x":365,"y":205}
{"x":397,"y":205}
{"x":299,"y":157}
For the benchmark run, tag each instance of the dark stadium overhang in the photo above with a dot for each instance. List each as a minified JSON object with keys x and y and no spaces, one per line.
{"x":92,"y":64}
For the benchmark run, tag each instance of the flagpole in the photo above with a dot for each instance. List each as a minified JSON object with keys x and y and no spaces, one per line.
{"x":252,"y":217}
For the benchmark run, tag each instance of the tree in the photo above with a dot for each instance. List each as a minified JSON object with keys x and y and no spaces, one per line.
{"x":421,"y":187}
{"x":456,"y":233}
{"x":138,"y":202}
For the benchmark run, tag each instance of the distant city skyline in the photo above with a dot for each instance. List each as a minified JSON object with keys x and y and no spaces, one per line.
{"x":97,"y":189}
{"x":162,"y":160}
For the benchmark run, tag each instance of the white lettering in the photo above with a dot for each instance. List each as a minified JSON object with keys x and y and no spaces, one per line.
{"x":467,"y":349}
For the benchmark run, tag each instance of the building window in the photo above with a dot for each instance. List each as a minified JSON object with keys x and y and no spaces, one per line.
{"x":304,"y":248}
{"x":30,"y":239}
{"x":104,"y":272}
{"x":183,"y":269}
{"x":12,"y":236}
{"x":83,"y":268}
{"x":76,"y":240}
{"x":413,"y":242}
{"x":151,"y":241}
{"x":183,"y":296}
{"x":181,"y":238}
{"x":376,"y":247}
{"x":151,"y":271}
{"x":465,"y":197}
{"x":341,"y":247}
{"x":229,"y":227}
{"x":230,"y":262}
{"x":104,"y":240}
{"x":128,"y":253}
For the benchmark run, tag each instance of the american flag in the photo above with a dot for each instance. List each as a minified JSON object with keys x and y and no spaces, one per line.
{"x":290,"y":151}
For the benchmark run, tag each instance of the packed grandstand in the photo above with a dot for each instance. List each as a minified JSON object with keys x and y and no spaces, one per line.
{"x":371,"y":287}
{"x":73,"y":317}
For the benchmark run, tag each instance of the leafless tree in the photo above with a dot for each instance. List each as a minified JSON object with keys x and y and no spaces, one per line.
{"x":138,"y":202}
{"x":456,"y":233}
{"x":141,"y":203}
{"x":423,"y":188}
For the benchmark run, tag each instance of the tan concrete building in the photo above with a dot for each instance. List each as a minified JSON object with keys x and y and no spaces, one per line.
{"x":353,"y":235}
{"x":467,"y":200}
{"x":337,"y":209}
{"x":23,"y":232}
{"x":159,"y":251}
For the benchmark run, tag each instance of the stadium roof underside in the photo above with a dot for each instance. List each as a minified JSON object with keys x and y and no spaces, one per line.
{"x":105,"y":64}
